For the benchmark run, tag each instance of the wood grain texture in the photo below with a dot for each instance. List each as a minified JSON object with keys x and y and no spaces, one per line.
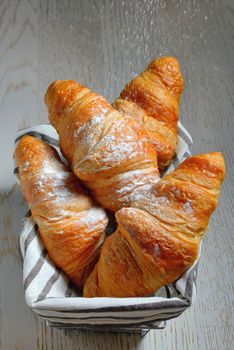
{"x":103,"y":44}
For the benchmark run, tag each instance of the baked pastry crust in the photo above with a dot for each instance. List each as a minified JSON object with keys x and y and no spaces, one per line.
{"x":117,"y":151}
{"x":157,"y":239}
{"x":107,"y":150}
{"x":71,"y":227}
{"x":152,"y":98}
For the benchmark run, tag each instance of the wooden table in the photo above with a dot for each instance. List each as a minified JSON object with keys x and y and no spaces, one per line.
{"x":104,"y":44}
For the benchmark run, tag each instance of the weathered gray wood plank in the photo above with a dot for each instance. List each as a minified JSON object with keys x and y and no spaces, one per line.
{"x":104,"y":43}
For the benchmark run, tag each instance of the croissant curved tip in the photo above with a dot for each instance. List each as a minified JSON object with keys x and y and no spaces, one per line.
{"x":212,"y":163}
{"x":58,"y":87}
{"x":168,"y":70}
{"x":25,"y":141}
{"x":165,"y":59}
{"x":216,"y":159}
{"x":59,"y":96}
{"x":31,"y":148}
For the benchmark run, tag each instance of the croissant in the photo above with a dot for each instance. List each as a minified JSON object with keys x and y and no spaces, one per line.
{"x":107,"y":149}
{"x":70,"y":226}
{"x":153,"y":99}
{"x":157,"y":240}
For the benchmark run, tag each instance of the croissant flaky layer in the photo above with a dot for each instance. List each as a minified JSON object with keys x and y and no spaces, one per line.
{"x":108,"y":150}
{"x":157,"y":240}
{"x":152,"y":99}
{"x":70,"y":226}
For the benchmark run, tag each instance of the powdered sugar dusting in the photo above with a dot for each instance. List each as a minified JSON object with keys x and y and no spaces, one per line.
{"x":60,"y":200}
{"x":106,"y":141}
{"x":92,"y":217}
{"x":124,"y":189}
{"x":109,"y":140}
{"x":188,"y":207}
{"x":52,"y":181}
{"x":85,"y":131}
{"x":25,"y":166}
{"x":137,"y":183}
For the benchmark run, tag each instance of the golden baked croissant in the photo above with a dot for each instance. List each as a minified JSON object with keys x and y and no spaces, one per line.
{"x":70,"y":226}
{"x":107,"y":149}
{"x":153,"y":99}
{"x":157,"y":240}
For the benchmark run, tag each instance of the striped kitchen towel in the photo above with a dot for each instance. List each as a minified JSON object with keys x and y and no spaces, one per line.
{"x":50,"y":294}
